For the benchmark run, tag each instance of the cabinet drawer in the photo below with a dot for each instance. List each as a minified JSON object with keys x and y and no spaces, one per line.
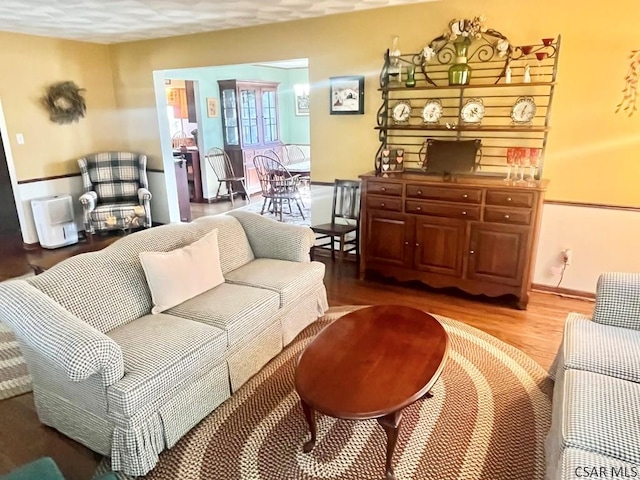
{"x":378,"y":202}
{"x":467,"y":195}
{"x":450,"y":210}
{"x":384,"y":188}
{"x":515,"y":199}
{"x":518,"y":216}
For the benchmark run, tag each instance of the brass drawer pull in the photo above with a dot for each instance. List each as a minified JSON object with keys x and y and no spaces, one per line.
{"x":406,"y":243}
{"x":382,"y":205}
{"x":508,"y":199}
{"x":465,"y":196}
{"x":417,"y":244}
{"x":507,"y":217}
{"x":472,"y":252}
{"x":383,"y":189}
{"x":419,"y":192}
{"x":418,"y":208}
{"x":464,"y":213}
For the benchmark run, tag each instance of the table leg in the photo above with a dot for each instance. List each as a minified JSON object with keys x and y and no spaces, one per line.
{"x":391,"y":425}
{"x":310,"y":415}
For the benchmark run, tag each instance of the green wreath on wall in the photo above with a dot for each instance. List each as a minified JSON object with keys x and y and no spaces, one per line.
{"x":65,"y":102}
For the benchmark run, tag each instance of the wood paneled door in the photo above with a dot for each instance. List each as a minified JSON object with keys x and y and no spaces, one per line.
{"x":9,"y":223}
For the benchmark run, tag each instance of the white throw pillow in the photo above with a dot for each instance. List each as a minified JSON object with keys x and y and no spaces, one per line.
{"x":176,"y":276}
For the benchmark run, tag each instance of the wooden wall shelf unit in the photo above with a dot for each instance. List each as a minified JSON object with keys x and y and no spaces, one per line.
{"x":497,"y":130}
{"x":250,"y":124}
{"x":478,"y":234}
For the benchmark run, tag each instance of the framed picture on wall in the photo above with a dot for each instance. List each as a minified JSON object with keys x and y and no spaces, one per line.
{"x":346,"y":95}
{"x":212,"y":107}
{"x":302,"y":104}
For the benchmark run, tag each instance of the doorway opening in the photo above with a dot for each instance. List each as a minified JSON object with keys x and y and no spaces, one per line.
{"x":245,"y":110}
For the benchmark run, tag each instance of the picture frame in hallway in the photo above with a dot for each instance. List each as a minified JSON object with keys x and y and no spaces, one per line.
{"x":302,"y":104}
{"x":212,"y":107}
{"x":346,"y":95}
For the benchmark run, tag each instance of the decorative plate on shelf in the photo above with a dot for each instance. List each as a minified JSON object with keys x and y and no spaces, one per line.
{"x":523,"y":110}
{"x":432,"y":111}
{"x":472,"y":112}
{"x":401,"y":112}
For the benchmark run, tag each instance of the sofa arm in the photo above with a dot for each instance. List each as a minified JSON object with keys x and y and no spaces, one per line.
{"x":89,"y":200}
{"x":271,"y":239}
{"x":66,"y":341}
{"x":618,"y":300}
{"x":144,"y":194}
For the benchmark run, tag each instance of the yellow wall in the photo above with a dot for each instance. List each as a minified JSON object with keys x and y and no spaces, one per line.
{"x":593,"y":154}
{"x":28,"y":64}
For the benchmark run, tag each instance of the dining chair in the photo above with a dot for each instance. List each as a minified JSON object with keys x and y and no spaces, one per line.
{"x":294,"y":155}
{"x":273,"y":154}
{"x":345,"y":220}
{"x":277,"y":184}
{"x":222,"y":167}
{"x":178,"y":139}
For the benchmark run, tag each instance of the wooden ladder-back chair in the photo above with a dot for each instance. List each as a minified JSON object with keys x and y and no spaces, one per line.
{"x":222,"y":167}
{"x":345,"y":220}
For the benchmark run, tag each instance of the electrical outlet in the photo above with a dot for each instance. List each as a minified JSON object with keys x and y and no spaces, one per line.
{"x":567,"y":256}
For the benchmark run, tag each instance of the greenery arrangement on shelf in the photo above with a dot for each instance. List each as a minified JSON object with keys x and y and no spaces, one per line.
{"x":630,"y":91}
{"x":65,"y":102}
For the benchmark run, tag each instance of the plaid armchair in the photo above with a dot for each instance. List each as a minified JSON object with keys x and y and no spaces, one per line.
{"x":116,"y":194}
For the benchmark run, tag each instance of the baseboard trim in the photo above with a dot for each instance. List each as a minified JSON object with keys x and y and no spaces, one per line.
{"x":325,"y":184}
{"x":564,"y":292}
{"x":31,"y":246}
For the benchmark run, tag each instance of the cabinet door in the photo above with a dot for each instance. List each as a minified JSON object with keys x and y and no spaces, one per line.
{"x":249,"y":125}
{"x":439,"y":245}
{"x":389,"y":238}
{"x":230,"y":117}
{"x":250,"y":175}
{"x":270,"y":116}
{"x":497,"y":253}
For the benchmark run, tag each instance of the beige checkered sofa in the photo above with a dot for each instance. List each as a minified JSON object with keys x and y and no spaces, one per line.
{"x":595,"y":427}
{"x":129,"y":384}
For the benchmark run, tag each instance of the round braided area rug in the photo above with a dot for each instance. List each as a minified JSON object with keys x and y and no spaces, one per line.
{"x":488,"y":418}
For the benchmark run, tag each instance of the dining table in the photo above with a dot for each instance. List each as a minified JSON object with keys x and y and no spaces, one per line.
{"x":302,"y":168}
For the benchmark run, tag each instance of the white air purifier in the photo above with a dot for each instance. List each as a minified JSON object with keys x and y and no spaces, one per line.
{"x":54,"y":221}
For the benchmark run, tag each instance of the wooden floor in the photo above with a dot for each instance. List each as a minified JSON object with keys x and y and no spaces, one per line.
{"x":536,"y":331}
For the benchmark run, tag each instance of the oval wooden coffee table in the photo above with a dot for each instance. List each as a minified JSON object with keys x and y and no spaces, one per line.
{"x":371,"y":364}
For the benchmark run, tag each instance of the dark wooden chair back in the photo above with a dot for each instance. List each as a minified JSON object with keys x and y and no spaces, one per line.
{"x":346,"y":200}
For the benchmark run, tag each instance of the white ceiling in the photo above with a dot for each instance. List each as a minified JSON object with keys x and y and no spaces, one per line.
{"x":114,"y":21}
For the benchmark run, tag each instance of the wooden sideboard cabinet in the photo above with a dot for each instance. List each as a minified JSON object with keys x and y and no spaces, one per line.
{"x":477,"y":234}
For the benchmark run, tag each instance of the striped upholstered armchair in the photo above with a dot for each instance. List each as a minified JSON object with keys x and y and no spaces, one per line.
{"x":116,"y":191}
